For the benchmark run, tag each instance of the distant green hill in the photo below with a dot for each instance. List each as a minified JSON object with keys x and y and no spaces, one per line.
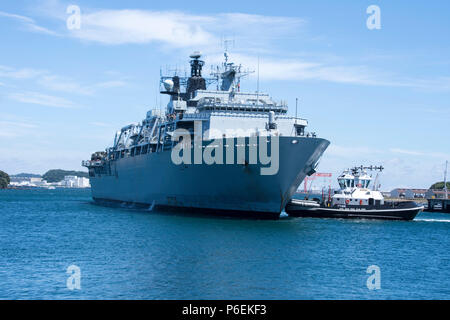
{"x":440,"y":185}
{"x":56,"y":175}
{"x":4,"y":180}
{"x":32,"y":175}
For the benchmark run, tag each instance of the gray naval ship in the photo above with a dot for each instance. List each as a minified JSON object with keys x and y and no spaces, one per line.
{"x":221,"y":151}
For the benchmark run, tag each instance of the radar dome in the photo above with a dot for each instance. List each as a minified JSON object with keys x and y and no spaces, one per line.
{"x":168,"y":85}
{"x":195,"y":55}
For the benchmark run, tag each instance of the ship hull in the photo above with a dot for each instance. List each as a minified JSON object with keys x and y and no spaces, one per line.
{"x":154,"y":180}
{"x":405,"y":211}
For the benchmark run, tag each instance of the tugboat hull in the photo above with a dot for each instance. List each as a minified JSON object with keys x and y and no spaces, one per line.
{"x":391,"y":211}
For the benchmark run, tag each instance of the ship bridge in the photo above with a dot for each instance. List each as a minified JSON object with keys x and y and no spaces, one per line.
{"x":237,"y":101}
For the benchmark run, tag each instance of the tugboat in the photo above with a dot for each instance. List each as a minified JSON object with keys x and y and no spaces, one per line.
{"x":355,"y":200}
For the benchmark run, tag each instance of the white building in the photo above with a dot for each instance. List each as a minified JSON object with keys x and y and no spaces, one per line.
{"x":408,"y":193}
{"x":28,"y":182}
{"x":75,"y":182}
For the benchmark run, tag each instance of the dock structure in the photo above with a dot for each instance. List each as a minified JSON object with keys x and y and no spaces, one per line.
{"x":442,"y":205}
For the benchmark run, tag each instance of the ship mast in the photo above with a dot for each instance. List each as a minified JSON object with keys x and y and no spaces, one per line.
{"x":445,"y":180}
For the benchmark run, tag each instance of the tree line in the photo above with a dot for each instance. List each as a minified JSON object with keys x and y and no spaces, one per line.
{"x":4,"y":179}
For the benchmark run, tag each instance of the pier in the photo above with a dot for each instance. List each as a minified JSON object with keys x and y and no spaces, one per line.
{"x":442,"y":205}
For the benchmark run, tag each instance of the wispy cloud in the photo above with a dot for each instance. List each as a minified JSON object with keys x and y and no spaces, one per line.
{"x":100,"y":124}
{"x":346,"y":151}
{"x":55,"y":82}
{"x":24,"y":73}
{"x":299,"y":69}
{"x":111,"y":84}
{"x":14,"y":127}
{"x":41,"y":99}
{"x":175,"y":29}
{"x":29,"y":23}
{"x":178,"y":29}
{"x":420,"y":153}
{"x":403,"y":167}
{"x":137,"y":26}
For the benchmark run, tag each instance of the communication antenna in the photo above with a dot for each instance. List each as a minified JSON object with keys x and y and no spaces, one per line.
{"x":296,"y":104}
{"x":257,"y":85}
{"x":445,"y":180}
{"x":160,"y":109}
{"x":226,"y":46}
{"x":375,"y":183}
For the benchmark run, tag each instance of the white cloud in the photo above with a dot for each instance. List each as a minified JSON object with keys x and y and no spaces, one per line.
{"x":299,"y":69}
{"x":63,"y":84}
{"x":408,"y":152}
{"x":182,"y":30}
{"x":100,"y":124}
{"x":41,"y":99}
{"x":55,"y":82}
{"x":178,"y":29}
{"x":403,"y":168}
{"x":344,"y":151}
{"x":111,"y":84}
{"x":173,"y":28}
{"x":14,"y":129}
{"x":29,"y":23}
{"x":139,"y":26}
{"x":24,"y":73}
{"x":16,"y":17}
{"x":13,"y":126}
{"x":420,"y":153}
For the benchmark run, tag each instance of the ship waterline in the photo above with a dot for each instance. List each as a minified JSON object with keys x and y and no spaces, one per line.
{"x":153,"y":179}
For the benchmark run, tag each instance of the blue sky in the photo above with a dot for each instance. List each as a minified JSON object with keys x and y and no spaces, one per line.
{"x":380,"y":96}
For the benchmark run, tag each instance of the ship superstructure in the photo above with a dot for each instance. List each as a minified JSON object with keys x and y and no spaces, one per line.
{"x":220,"y":150}
{"x":354,"y":188}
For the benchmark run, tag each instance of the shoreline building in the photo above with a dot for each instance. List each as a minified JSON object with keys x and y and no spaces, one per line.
{"x":437,"y":194}
{"x":75,"y":182}
{"x":409,"y":193}
{"x":39,"y":182}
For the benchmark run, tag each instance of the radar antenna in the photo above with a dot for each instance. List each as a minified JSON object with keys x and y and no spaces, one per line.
{"x":361,"y":168}
{"x":230,"y":74}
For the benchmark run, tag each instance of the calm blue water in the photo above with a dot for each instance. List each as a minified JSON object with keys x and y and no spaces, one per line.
{"x":131,"y":253}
